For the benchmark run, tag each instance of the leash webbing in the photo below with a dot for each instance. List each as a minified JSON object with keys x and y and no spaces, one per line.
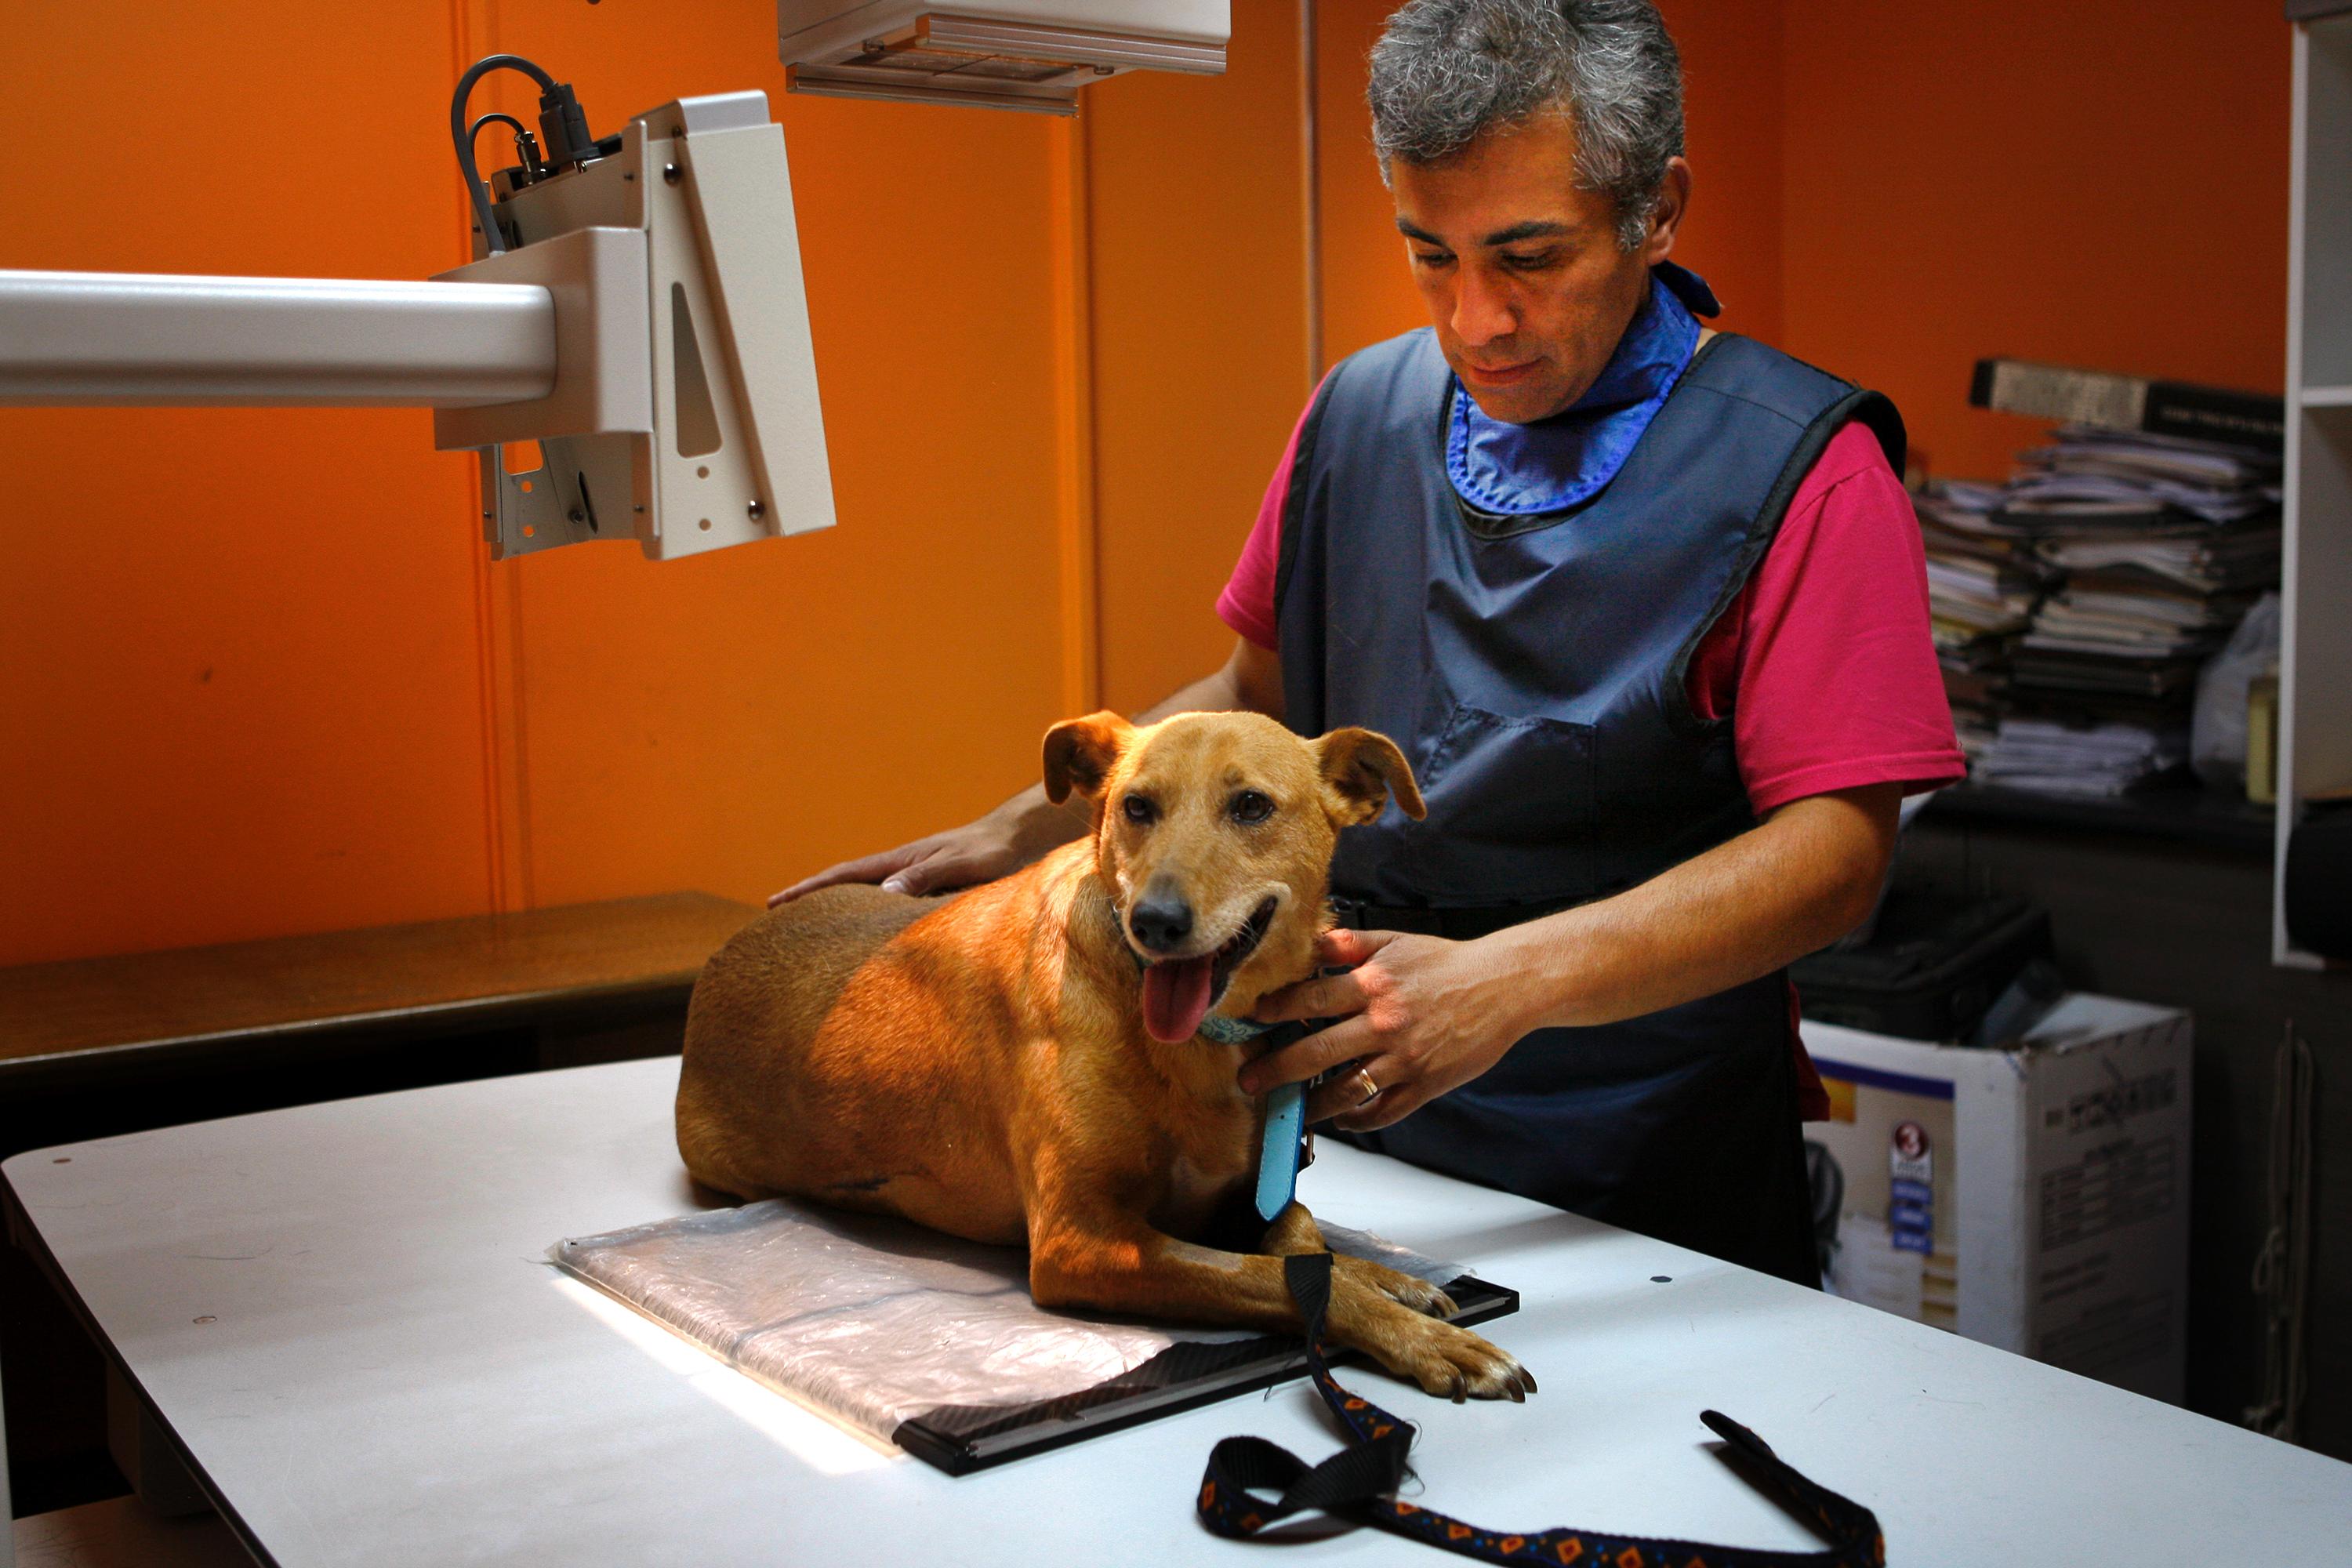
{"x":1361,"y":1480}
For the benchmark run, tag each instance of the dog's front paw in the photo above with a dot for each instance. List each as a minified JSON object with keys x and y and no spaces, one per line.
{"x":1454,"y":1363}
{"x":1401,"y":1287}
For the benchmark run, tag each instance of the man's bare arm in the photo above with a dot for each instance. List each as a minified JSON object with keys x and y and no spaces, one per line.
{"x":1251,"y":681}
{"x":1798,"y":881}
{"x":1029,"y":825}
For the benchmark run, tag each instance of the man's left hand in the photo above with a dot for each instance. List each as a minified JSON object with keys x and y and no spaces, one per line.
{"x":1421,"y":1015}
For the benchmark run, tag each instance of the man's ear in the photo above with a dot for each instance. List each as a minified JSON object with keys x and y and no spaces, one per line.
{"x":1361,"y":769}
{"x":1673,"y":205}
{"x":1079,"y":754}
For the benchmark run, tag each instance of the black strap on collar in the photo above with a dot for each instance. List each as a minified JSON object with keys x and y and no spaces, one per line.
{"x":1361,"y":1482}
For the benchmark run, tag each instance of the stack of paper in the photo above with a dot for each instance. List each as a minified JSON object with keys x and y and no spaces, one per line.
{"x":1984,"y":580}
{"x":2053,"y":758}
{"x":2088,"y":471}
{"x":2242,"y":560}
{"x":1972,"y":598}
{"x":2081,"y":597}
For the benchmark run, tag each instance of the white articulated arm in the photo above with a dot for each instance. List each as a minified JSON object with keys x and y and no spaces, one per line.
{"x":642,"y":318}
{"x":153,"y":340}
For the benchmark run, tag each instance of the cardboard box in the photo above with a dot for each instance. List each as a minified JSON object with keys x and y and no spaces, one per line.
{"x":2035,"y":1198}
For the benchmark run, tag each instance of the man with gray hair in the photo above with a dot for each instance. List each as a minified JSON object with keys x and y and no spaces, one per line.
{"x":1645,"y":604}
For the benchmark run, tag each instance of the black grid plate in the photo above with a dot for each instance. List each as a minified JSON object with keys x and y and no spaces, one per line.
{"x":961,"y":1438}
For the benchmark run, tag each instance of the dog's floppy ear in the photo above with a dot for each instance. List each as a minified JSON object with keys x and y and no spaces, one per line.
{"x":1362,"y":769}
{"x":1079,"y":754}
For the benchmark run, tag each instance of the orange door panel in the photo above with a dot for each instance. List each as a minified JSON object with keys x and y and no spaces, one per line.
{"x":1200,"y":335}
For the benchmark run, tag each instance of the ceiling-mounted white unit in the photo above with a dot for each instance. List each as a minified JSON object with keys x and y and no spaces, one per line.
{"x":1030,"y":54}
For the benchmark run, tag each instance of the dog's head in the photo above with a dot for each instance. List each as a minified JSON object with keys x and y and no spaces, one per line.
{"x":1213,"y":834}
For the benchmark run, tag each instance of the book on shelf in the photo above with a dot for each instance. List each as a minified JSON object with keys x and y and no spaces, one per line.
{"x":2077,"y":674}
{"x":2134,"y":403}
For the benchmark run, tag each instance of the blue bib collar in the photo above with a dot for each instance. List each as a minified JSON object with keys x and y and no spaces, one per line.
{"x":1519,"y":470}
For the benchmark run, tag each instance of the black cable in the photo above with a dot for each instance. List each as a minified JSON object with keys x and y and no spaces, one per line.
{"x":526,"y":145}
{"x":481,"y":119}
{"x":558,"y":112}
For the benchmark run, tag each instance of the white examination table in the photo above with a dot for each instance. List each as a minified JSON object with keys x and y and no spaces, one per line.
{"x":343,"y":1316}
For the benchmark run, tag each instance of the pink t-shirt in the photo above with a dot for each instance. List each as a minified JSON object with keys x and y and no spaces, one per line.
{"x":1825,"y":661}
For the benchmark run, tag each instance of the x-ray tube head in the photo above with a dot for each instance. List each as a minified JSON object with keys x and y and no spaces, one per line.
{"x":1031,"y":55}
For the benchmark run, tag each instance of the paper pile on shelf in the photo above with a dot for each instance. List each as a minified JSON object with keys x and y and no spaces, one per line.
{"x":2086,"y":469}
{"x":2053,"y":758}
{"x":2081,"y":598}
{"x":1984,"y":581}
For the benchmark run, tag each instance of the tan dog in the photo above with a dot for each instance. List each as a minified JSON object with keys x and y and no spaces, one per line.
{"x":1021,"y":1062}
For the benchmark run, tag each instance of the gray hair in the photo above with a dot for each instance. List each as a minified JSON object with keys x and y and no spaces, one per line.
{"x":1447,"y":72}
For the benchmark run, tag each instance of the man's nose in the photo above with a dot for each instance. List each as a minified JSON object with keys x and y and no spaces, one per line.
{"x":1162,"y":919}
{"x":1481,"y":314}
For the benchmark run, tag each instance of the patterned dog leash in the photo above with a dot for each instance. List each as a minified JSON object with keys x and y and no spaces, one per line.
{"x":1361,"y":1482}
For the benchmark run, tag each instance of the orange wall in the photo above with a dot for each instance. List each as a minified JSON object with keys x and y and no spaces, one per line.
{"x":1732,"y":56}
{"x":238,"y":671}
{"x":2102,"y":185}
{"x":729,"y":720}
{"x":1200,"y":339}
{"x":1368,"y":295}
{"x":258,"y":677}
{"x":255,"y":676}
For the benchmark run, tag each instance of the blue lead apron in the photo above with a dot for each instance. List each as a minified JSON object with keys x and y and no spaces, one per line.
{"x":1533,"y":669}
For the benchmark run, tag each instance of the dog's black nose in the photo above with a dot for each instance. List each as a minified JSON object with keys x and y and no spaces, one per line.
{"x":1161,"y":923}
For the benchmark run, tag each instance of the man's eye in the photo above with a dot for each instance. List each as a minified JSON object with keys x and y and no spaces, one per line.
{"x":1540,"y":261}
{"x":1433,"y":257}
{"x":1251,"y":807}
{"x":1137,"y":809}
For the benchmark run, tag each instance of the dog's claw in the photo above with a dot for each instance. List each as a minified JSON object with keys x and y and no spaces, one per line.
{"x":1529,"y":1378}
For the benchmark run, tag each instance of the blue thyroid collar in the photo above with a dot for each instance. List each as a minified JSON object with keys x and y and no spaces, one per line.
{"x":1520,"y":470}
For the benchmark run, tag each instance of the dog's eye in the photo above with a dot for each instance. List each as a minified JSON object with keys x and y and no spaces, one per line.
{"x":1137,"y":809}
{"x":1251,"y":807}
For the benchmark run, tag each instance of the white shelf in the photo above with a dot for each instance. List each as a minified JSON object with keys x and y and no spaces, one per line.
{"x":2315,"y":567}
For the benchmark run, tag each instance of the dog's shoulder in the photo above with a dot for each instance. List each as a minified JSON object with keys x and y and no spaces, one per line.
{"x":831,"y":928}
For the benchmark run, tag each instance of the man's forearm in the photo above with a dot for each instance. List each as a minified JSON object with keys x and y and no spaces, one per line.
{"x":1789,"y":887}
{"x":1216,"y":693}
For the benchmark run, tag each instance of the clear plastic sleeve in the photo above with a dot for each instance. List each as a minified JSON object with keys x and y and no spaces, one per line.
{"x":874,"y":1320}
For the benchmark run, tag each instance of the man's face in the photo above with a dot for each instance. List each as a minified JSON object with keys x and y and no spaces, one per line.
{"x":1525,"y":282}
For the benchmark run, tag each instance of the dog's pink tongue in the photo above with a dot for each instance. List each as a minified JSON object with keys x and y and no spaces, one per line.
{"x":1176,"y":998}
